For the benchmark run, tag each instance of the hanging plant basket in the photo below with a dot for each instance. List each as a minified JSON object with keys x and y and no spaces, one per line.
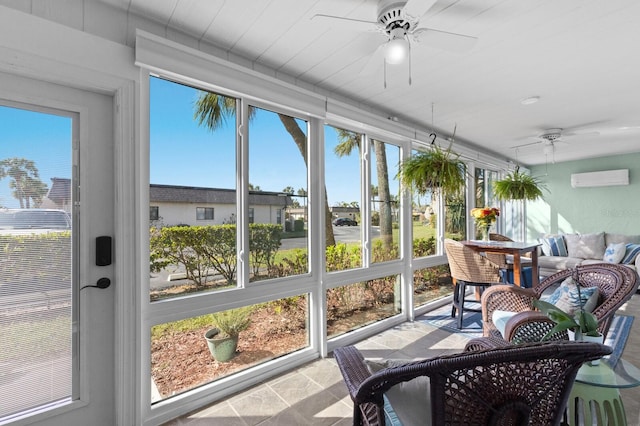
{"x":436,"y":169}
{"x":518,"y":185}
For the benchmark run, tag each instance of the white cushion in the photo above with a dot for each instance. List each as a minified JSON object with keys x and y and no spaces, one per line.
{"x":500,"y":318}
{"x":614,"y":252}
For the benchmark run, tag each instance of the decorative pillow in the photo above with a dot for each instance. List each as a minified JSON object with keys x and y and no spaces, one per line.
{"x":631,"y":251}
{"x":410,"y":401}
{"x":585,"y":246}
{"x":615,"y":252}
{"x":553,"y":246}
{"x":566,"y":297}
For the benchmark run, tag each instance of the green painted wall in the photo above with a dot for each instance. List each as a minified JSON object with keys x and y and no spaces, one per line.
{"x":565,"y":209}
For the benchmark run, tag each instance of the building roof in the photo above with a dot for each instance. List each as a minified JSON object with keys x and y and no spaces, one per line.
{"x":194,"y":194}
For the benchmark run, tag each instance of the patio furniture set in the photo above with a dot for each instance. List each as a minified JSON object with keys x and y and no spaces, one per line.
{"x":511,"y":375}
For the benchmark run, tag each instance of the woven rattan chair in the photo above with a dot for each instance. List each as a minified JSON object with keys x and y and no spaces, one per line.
{"x":468,"y":268}
{"x":525,"y":384}
{"x":616,"y":284}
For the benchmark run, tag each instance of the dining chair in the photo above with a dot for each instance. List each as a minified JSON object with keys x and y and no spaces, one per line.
{"x":468,"y":269}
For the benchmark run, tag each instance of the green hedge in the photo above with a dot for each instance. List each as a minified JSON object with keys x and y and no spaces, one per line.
{"x":202,"y":248}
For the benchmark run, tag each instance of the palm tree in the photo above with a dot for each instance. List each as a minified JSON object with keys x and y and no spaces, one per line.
{"x":26,"y":183}
{"x":212,"y":110}
{"x":350,"y":140}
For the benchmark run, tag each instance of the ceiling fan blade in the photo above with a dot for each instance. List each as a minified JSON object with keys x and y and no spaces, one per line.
{"x":578,"y":133}
{"x":417,"y":8}
{"x":526,"y":144}
{"x":444,"y":40}
{"x":348,"y":23}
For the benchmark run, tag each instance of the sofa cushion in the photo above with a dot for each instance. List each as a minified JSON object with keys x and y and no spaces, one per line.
{"x":586,"y":246}
{"x":409,"y":401}
{"x":565,"y":297}
{"x":621,"y":238}
{"x":614,"y":252}
{"x":559,"y":263}
{"x":630,"y":254}
{"x":553,"y":246}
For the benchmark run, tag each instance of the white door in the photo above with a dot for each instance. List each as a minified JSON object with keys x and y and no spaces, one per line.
{"x":56,"y":164}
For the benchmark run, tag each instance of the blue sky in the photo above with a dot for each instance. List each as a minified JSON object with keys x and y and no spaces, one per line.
{"x":182,"y":152}
{"x":274,"y":161}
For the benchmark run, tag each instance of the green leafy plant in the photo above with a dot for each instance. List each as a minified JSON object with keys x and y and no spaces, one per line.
{"x":233,"y":321}
{"x":582,"y":322}
{"x":518,"y":185}
{"x":436,"y":169}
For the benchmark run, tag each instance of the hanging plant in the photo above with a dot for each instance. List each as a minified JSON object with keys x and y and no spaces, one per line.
{"x":518,"y":185}
{"x":436,"y":169}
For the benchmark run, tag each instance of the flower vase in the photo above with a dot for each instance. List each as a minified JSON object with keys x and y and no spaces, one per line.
{"x":484,"y":231}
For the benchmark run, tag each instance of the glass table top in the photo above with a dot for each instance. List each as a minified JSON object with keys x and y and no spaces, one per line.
{"x":621,"y":375}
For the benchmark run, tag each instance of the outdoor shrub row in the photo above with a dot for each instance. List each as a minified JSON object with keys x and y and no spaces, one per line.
{"x":42,"y":260}
{"x":202,"y":248}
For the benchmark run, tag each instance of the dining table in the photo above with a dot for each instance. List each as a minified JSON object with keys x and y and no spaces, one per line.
{"x":514,"y":248}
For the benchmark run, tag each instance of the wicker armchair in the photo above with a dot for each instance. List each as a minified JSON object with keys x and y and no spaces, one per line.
{"x":514,"y":385}
{"x":468,"y":268}
{"x":616,"y":284}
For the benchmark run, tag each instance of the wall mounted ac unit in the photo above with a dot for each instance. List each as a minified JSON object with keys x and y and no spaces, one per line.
{"x":604,"y":178}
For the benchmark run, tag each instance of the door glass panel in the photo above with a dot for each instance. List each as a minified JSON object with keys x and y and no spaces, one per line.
{"x":277,"y":193}
{"x":385,"y":201}
{"x":36,"y":273}
{"x":192,"y":190}
{"x":343,"y":241}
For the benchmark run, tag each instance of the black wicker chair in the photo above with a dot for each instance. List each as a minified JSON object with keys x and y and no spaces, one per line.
{"x":525,"y":384}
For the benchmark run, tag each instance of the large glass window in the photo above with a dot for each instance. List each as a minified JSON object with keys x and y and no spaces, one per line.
{"x":385,"y":202}
{"x":343,"y":159}
{"x":192,"y":160}
{"x":484,"y":197}
{"x":277,"y":164}
{"x":353,"y":306}
{"x":36,"y":271}
{"x":194,"y":351}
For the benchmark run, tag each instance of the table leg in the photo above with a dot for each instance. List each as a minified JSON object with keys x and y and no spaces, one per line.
{"x":535,"y":278}
{"x":517,"y":269}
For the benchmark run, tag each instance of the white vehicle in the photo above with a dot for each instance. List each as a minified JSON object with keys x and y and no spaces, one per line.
{"x":33,"y":221}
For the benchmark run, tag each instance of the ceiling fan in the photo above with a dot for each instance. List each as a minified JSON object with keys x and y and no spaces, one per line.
{"x":549,"y":137}
{"x":399,"y":22}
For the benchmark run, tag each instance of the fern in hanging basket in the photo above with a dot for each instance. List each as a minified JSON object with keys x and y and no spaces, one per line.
{"x":436,"y":169}
{"x":518,"y":185}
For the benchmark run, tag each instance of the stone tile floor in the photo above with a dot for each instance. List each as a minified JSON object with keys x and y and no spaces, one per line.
{"x":315,"y":395}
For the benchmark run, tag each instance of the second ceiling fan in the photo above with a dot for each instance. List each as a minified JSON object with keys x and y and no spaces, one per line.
{"x":399,"y":22}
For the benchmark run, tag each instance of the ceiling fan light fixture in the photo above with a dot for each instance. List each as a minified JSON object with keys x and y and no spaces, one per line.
{"x":397,"y":50}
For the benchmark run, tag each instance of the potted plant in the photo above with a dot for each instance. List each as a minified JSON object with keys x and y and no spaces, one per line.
{"x":436,"y":169}
{"x":518,"y":185}
{"x":222,"y":340}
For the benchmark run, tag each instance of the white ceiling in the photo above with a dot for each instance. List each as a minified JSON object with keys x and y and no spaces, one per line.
{"x":579,"y":56}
